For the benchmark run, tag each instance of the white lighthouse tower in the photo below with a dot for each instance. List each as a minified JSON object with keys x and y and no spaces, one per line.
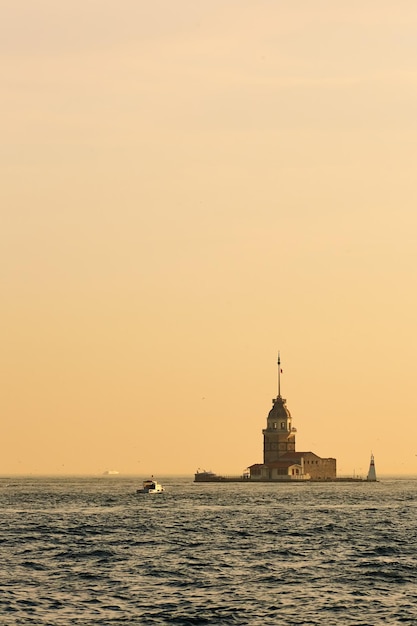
{"x":371,"y":474}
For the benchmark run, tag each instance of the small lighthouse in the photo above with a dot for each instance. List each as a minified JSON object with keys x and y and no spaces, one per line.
{"x":371,"y":474}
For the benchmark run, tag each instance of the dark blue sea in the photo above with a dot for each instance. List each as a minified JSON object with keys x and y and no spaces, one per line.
{"x":86,"y":551}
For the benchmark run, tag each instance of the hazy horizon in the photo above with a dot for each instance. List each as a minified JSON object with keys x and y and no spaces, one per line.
{"x":188,"y":188}
{"x":166,"y":476}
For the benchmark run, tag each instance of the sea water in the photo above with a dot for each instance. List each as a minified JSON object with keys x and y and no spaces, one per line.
{"x":90,"y":551}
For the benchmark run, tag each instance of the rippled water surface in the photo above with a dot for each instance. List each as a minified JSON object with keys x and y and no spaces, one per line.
{"x":90,"y":551}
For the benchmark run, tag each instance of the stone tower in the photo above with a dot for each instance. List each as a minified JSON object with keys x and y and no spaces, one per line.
{"x":279,"y":435}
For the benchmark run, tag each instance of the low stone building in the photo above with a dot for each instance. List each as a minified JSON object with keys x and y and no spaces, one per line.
{"x":281,"y":461}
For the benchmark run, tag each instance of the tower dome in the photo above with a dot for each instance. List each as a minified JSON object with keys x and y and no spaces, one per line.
{"x":279,"y":409}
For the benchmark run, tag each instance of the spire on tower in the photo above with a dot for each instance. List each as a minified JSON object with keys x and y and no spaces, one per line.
{"x":279,"y":375}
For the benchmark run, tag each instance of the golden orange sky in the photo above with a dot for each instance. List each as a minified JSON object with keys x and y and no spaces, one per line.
{"x":188,"y":187}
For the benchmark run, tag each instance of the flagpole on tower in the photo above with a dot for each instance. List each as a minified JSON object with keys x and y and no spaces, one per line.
{"x":279,"y":375}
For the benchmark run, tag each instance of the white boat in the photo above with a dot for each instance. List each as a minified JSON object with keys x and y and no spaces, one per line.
{"x":151,"y":486}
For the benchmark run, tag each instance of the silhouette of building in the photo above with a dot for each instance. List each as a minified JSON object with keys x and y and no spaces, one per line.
{"x":281,"y":461}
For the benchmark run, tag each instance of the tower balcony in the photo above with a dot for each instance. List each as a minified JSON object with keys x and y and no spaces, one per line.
{"x":278,"y":430}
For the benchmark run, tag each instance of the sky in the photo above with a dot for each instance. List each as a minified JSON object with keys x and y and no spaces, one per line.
{"x":187,"y":188}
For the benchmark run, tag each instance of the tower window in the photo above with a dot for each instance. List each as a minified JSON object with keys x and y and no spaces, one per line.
{"x":282,"y":425}
{"x":275,"y":425}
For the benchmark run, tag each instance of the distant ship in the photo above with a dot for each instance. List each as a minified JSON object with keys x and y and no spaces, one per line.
{"x":202,"y":476}
{"x":205,"y":476}
{"x":371,"y":473}
{"x":110,"y":473}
